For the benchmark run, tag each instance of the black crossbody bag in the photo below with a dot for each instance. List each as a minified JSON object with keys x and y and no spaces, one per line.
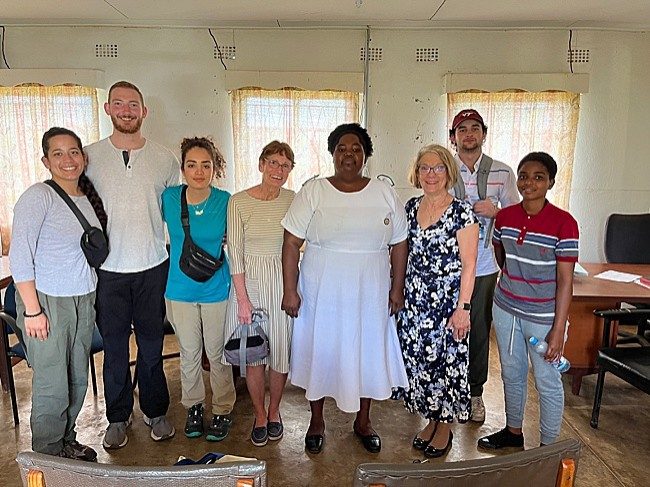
{"x":195,"y":262}
{"x":94,"y":243}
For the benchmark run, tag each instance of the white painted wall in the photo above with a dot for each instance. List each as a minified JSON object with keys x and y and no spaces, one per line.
{"x":184,"y":90}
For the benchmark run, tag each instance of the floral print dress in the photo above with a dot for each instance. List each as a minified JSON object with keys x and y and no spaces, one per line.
{"x":436,"y":364}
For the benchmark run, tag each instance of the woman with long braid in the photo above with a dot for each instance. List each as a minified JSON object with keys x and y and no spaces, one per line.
{"x":56,"y":293}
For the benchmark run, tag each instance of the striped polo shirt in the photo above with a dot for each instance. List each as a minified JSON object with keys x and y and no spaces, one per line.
{"x":533,"y":245}
{"x":502,"y":191}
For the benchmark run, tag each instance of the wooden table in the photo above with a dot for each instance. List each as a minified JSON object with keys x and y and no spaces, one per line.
{"x":5,"y":280}
{"x":586,"y":330}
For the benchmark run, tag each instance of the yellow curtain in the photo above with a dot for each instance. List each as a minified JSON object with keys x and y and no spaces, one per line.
{"x":301,"y":118}
{"x":26,"y":112}
{"x":522,"y":122}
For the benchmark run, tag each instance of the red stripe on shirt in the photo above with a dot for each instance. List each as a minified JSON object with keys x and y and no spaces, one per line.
{"x":521,"y":279}
{"x":568,"y":258}
{"x":525,"y":298}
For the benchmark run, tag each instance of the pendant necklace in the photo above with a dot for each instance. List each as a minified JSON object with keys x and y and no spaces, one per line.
{"x":432,"y":210}
{"x":199,"y":211}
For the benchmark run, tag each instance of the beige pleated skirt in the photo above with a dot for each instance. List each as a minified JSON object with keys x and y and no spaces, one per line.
{"x":264,"y":287}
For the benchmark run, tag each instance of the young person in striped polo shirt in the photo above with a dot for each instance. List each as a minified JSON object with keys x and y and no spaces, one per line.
{"x":536,"y":247}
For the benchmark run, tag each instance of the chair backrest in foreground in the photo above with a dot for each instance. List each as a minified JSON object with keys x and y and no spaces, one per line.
{"x":547,"y":466}
{"x":62,"y":472}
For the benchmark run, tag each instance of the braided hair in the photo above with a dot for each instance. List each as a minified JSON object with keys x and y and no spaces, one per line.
{"x":87,"y":188}
{"x":85,"y":185}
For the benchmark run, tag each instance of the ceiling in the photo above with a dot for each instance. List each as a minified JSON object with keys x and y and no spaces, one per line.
{"x":576,"y":14}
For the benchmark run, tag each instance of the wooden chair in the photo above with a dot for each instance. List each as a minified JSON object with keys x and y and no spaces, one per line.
{"x":547,"y":466}
{"x":39,"y":470}
{"x":632,"y":364}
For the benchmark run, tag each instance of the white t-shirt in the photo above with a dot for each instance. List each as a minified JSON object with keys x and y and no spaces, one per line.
{"x":131,"y":195}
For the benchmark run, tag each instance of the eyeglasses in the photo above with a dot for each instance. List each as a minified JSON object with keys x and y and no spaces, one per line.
{"x":439,"y":169}
{"x":275,"y":164}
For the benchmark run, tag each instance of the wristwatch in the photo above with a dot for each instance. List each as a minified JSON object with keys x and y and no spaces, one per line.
{"x":465,"y":306}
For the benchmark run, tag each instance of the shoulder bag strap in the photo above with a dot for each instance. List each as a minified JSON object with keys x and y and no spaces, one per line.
{"x":260,"y":331}
{"x":75,"y":209}
{"x":484,"y":168}
{"x":185,"y":221}
{"x":459,"y":187}
{"x":185,"y":214}
{"x":483,"y":174}
{"x":260,"y":316}
{"x":243,"y":339}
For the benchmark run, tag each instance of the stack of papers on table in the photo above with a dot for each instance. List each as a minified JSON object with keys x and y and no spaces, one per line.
{"x":617,"y":276}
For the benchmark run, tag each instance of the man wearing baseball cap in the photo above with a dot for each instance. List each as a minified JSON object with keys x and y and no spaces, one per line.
{"x":488,"y":185}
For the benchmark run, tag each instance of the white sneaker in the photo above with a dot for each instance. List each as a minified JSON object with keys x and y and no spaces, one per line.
{"x":161,"y":428}
{"x":478,"y":410}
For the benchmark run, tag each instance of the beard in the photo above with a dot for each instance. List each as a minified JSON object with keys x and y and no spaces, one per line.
{"x":471,"y":146}
{"x":127,"y":129}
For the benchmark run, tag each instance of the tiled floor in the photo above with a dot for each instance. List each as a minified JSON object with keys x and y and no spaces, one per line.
{"x":614,"y":455}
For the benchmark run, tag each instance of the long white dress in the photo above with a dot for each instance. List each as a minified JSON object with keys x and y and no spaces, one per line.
{"x":345,"y":343}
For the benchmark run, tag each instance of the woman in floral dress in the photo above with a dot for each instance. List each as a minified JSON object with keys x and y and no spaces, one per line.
{"x":434,"y":326}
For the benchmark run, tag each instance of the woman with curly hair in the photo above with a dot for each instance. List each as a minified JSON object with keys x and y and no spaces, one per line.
{"x":197,"y":310}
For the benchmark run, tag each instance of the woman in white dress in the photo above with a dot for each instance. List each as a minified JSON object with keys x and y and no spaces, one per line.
{"x":344,"y":343}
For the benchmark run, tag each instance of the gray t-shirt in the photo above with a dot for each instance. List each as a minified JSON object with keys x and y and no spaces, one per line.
{"x":131,"y":195}
{"x":45,"y":243}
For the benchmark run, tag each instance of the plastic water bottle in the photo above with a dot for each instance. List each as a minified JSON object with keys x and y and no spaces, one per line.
{"x":540,"y":346}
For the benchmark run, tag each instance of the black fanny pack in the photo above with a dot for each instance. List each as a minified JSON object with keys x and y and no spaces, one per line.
{"x":94,"y":243}
{"x":195,"y":263}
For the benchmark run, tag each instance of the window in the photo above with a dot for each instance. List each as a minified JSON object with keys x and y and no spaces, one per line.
{"x":26,"y":112}
{"x":301,"y":118}
{"x":522,"y":122}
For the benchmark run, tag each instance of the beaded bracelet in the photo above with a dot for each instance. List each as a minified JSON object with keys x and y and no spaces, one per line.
{"x":34,"y":315}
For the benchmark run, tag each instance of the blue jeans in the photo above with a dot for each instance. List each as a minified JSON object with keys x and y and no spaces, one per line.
{"x":512,"y":335}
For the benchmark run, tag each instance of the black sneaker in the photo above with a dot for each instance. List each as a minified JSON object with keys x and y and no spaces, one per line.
{"x":219,"y":428}
{"x":76,"y":451}
{"x":502,"y":439}
{"x":194,"y":423}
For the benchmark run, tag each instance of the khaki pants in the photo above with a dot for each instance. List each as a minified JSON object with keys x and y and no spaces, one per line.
{"x":197,"y":325}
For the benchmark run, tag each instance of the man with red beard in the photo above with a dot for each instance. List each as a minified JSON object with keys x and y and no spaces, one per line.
{"x":130,"y":174}
{"x":488,"y":185}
